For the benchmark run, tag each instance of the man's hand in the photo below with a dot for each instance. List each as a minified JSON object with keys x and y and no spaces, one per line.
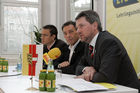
{"x":84,"y":76}
{"x":81,"y":76}
{"x":88,"y":73}
{"x":64,"y":64}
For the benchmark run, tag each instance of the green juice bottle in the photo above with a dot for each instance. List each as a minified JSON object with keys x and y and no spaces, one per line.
{"x":42,"y":77}
{"x":51,"y":77}
{"x":1,"y":61}
{"x":5,"y":66}
{"x":1,"y":64}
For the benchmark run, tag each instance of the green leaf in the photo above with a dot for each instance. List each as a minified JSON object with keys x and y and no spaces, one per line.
{"x":37,"y":35}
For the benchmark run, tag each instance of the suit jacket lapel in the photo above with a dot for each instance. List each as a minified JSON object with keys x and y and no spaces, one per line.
{"x":76,"y":51}
{"x":96,"y":60}
{"x":95,"y":57}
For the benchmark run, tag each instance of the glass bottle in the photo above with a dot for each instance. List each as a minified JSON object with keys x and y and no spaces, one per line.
{"x":1,"y":65}
{"x":51,"y":77}
{"x":19,"y":63}
{"x":42,"y":77}
{"x":5,"y":66}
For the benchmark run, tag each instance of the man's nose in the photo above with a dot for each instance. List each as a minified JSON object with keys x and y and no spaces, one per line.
{"x":68,"y":35}
{"x":78,"y":30}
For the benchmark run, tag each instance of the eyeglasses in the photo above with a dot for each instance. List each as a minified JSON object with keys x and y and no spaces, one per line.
{"x":42,"y":35}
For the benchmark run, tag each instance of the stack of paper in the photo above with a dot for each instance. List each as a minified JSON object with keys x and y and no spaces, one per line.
{"x":81,"y":85}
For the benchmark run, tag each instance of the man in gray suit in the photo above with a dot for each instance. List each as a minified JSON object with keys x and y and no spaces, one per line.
{"x":107,"y":59}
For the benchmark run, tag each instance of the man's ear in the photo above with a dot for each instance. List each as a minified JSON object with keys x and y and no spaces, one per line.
{"x":95,"y":25}
{"x":54,"y":36}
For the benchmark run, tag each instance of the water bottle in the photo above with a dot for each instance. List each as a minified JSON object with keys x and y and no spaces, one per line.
{"x":19,"y":64}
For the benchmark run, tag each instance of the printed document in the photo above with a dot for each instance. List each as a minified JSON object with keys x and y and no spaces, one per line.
{"x":81,"y":85}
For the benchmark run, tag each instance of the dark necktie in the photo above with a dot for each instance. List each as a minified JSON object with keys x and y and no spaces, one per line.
{"x":91,"y":50}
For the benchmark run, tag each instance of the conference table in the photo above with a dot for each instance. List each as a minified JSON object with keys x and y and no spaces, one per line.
{"x":14,"y":82}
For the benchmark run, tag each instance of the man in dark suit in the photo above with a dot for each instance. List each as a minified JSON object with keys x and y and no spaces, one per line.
{"x":50,"y":40}
{"x":75,"y":45}
{"x":107,"y":59}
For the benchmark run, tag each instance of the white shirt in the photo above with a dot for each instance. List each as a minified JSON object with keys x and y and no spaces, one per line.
{"x":72,"y":49}
{"x":92,"y":43}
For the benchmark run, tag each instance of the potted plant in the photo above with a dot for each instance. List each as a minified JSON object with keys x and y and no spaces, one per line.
{"x":37,"y":35}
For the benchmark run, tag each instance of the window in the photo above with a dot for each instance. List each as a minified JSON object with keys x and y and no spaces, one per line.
{"x":18,"y":23}
{"x":80,"y":5}
{"x":29,"y":0}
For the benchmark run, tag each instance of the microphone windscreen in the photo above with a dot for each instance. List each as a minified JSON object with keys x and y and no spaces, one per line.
{"x":54,"y":53}
{"x":46,"y":58}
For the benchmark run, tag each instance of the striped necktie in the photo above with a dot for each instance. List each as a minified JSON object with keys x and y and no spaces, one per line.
{"x":91,"y":50}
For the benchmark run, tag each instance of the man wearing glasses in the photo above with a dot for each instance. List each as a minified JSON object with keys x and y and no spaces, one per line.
{"x":50,"y":40}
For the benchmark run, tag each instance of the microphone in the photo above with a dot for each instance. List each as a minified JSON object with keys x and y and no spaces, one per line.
{"x":46,"y":58}
{"x":52,"y":54}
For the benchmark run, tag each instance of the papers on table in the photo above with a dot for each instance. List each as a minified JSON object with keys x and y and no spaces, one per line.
{"x":81,"y":85}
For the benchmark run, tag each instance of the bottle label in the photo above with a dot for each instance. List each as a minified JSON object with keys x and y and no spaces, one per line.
{"x":53,"y":84}
{"x":0,"y":68}
{"x":48,"y":83}
{"x":4,"y":68}
{"x":41,"y":83}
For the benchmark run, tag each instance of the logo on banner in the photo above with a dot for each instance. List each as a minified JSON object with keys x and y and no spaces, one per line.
{"x":29,"y":58}
{"x":121,"y":3}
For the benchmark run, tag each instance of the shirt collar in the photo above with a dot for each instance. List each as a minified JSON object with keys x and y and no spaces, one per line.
{"x":93,"y":41}
{"x":51,"y":45}
{"x":73,"y":46}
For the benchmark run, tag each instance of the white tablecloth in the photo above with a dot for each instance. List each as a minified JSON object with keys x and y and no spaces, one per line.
{"x":20,"y":84}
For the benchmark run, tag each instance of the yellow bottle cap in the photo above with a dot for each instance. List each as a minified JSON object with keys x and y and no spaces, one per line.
{"x":50,"y":70}
{"x":43,"y":70}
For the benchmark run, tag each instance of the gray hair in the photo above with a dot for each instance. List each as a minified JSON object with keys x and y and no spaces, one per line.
{"x":91,"y":16}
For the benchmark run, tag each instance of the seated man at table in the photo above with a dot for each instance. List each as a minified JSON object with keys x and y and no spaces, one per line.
{"x":50,"y":40}
{"x":75,"y":45}
{"x":107,"y":59}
